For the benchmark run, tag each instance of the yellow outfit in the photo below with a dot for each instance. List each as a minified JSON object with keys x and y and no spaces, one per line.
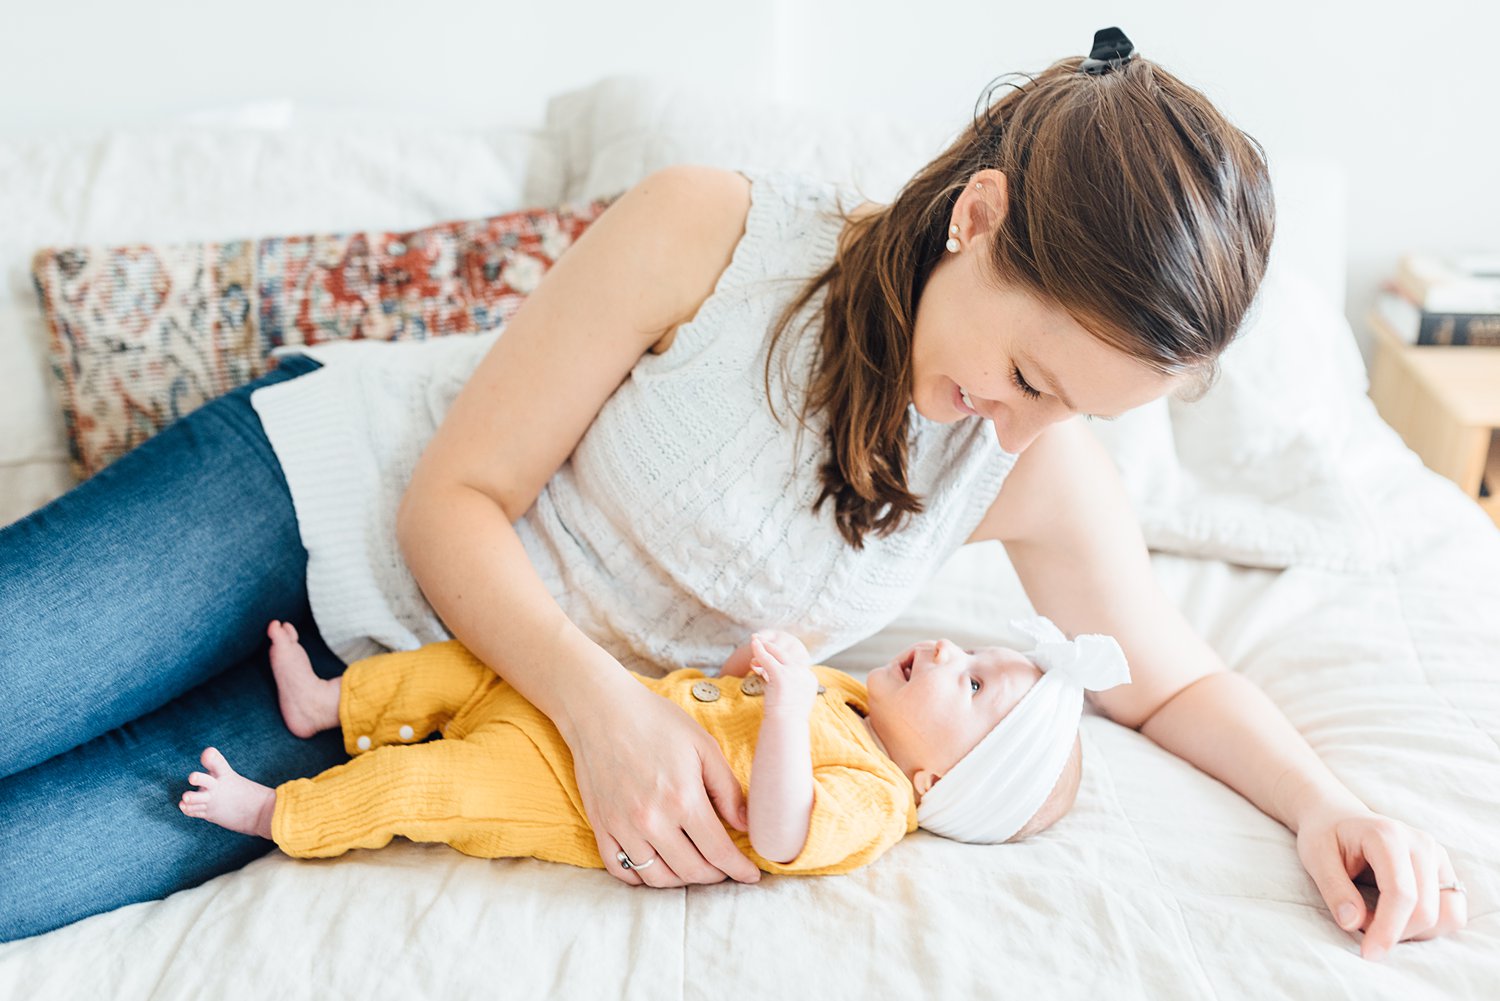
{"x":501,"y":784}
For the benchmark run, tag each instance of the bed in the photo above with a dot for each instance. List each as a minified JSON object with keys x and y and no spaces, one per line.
{"x":1292,"y":526}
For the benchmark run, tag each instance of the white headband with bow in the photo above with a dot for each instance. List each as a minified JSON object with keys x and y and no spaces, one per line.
{"x":994,"y":789}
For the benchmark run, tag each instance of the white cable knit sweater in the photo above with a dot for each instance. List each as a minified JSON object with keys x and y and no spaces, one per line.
{"x":683,"y":518}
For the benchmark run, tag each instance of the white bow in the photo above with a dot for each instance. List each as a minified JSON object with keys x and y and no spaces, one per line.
{"x":1093,"y":660}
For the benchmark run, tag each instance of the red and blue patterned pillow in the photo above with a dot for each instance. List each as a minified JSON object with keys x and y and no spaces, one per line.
{"x":141,"y":335}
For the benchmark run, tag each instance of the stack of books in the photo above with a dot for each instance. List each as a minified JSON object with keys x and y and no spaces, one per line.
{"x":1441,"y":300}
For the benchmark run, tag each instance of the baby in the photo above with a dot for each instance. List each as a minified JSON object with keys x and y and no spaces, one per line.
{"x":976,"y":745}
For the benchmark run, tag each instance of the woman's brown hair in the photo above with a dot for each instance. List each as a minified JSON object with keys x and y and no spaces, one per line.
{"x":1134,"y":205}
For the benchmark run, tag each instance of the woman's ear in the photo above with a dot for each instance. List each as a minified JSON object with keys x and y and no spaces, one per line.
{"x":924,"y":780}
{"x":982,"y":205}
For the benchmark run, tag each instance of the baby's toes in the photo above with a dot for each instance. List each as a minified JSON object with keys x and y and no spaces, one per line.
{"x":291,"y":630}
{"x":215,"y":762}
{"x":202,"y":780}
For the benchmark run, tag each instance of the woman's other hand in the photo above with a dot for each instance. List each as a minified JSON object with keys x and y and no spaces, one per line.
{"x":1407,"y":866}
{"x":654,"y":784}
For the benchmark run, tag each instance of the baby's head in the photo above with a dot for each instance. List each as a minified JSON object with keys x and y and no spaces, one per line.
{"x":938,"y":709}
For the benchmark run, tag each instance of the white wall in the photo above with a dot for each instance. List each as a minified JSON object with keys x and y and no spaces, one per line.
{"x":1405,"y":96}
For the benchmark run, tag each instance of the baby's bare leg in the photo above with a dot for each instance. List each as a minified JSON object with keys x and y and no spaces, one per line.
{"x":227,"y":798}
{"x":309,"y":704}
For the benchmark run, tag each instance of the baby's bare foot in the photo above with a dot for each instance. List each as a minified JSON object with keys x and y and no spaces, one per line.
{"x":229,"y":799}
{"x":309,"y":704}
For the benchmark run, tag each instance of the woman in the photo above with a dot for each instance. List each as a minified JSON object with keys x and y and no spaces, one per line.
{"x":655,"y":457}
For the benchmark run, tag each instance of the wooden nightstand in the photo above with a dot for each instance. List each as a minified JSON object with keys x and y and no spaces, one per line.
{"x":1445,"y":404}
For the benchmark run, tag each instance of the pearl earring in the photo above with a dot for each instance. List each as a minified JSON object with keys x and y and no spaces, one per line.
{"x":952,"y":240}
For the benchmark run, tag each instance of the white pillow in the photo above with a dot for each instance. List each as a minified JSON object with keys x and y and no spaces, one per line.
{"x":1252,"y":473}
{"x":616,"y":131}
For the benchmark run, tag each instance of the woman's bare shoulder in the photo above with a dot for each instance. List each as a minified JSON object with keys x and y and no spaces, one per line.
{"x":717,"y":200}
{"x":711,"y":204}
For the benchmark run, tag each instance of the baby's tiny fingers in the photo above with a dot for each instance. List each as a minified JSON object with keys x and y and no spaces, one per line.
{"x":775,"y":644}
{"x":767,"y":650}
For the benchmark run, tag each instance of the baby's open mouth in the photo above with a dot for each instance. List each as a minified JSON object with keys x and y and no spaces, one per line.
{"x":906,"y":663}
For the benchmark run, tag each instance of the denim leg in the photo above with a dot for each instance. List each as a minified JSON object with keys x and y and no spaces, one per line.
{"x":98,"y":827}
{"x":146,"y":579}
{"x":133,"y":612}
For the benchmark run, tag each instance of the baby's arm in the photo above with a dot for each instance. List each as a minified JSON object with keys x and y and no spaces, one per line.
{"x":781,"y":778}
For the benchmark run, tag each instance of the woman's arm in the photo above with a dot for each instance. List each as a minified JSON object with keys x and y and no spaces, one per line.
{"x":649,"y":776}
{"x":781,"y":776}
{"x":1069,"y":530}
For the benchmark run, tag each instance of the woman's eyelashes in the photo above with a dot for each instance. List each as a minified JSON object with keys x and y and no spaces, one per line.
{"x":1021,"y":384}
{"x":975,"y":685}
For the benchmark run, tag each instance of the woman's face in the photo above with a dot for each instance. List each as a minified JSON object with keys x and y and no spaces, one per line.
{"x":1024,"y":363}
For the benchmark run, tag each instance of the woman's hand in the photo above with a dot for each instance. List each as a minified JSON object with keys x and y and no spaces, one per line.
{"x":1407,"y":866}
{"x":654,"y":785}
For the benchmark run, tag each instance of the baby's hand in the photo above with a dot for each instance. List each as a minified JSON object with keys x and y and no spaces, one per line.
{"x":790,"y":683}
{"x":789,"y":648}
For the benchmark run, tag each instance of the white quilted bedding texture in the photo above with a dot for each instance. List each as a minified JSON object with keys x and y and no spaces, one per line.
{"x":1297,"y":533}
{"x":1161,"y":883}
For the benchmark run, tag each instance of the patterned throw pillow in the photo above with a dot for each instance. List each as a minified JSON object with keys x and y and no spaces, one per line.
{"x":141,"y":335}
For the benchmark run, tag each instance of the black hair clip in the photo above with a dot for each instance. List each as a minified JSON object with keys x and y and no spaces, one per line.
{"x":1111,"y":51}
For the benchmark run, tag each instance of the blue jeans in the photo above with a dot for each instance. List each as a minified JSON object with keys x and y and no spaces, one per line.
{"x":133,"y":613}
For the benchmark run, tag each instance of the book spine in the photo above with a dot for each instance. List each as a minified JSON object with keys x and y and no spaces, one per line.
{"x":1471,"y":329}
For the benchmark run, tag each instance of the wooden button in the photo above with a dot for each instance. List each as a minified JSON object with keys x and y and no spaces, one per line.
{"x":821,"y":689}
{"x":753,"y":684}
{"x":705,"y":691}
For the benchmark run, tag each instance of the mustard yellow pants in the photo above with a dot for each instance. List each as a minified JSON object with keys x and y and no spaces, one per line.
{"x":499,"y":785}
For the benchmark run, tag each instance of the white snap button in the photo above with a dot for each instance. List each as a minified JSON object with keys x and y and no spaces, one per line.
{"x":363,"y":743}
{"x":406,"y":733}
{"x":395,"y":248}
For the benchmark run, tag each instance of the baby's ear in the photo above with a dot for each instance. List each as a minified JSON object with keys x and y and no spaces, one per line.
{"x":924,"y":780}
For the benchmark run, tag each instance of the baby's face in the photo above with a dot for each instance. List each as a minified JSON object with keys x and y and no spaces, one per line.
{"x":936,"y":700}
